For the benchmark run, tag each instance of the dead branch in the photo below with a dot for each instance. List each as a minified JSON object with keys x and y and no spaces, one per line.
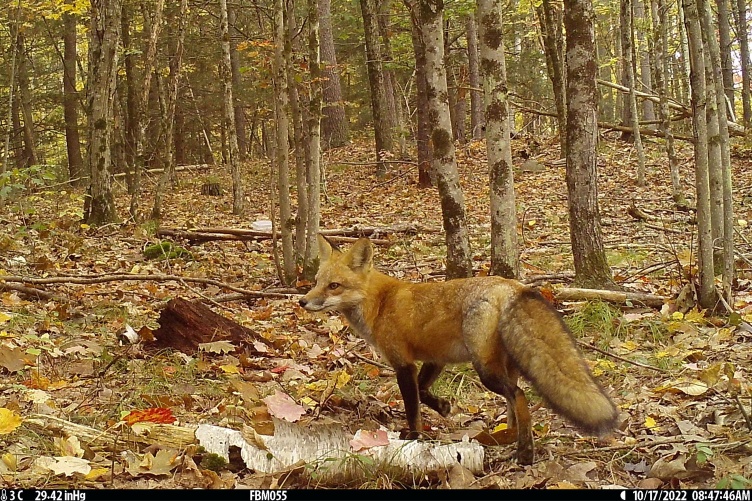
{"x":179,"y":168}
{"x":618,"y":297}
{"x":203,"y":236}
{"x":651,"y":97}
{"x":122,"y":277}
{"x":617,"y":357}
{"x":31,"y":292}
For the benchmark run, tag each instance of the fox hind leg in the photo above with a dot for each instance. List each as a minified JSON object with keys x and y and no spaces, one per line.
{"x":426,"y":377}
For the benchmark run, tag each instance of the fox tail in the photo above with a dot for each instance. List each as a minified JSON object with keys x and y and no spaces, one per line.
{"x":542,"y":347}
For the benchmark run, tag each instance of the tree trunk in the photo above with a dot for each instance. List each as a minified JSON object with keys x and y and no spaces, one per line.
{"x":12,"y":106}
{"x":70,"y":101}
{"x":625,"y":37}
{"x":476,"y":96}
{"x":140,"y":118}
{"x":104,"y":34}
{"x":423,"y":135}
{"x":720,"y":174}
{"x":240,"y":125}
{"x":299,"y":138}
{"x":130,"y":111}
{"x":444,"y":161}
{"x":391,"y":87}
{"x":282,"y":107}
{"x":233,"y":154}
{"x":702,"y":182}
{"x":334,"y":127}
{"x":550,"y":17}
{"x":24,"y":93}
{"x":591,"y":267}
{"x":724,"y":39}
{"x":168,"y":120}
{"x":382,"y":128}
{"x":311,"y":262}
{"x":660,"y":35}
{"x":741,"y":30}
{"x":504,"y":255}
{"x":628,"y":48}
{"x":648,"y":111}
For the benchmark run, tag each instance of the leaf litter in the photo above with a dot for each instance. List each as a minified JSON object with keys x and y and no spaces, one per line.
{"x":67,"y":378}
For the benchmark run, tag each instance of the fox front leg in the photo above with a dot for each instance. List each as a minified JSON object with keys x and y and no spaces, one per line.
{"x":407,"y":380}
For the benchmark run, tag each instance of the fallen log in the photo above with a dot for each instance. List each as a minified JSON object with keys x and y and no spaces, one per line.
{"x":179,"y":168}
{"x":201,"y":235}
{"x":184,"y":325}
{"x":618,"y":297}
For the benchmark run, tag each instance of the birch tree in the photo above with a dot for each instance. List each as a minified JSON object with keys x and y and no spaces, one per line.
{"x":233,"y":153}
{"x":444,"y":161}
{"x":104,"y":35}
{"x":504,"y":257}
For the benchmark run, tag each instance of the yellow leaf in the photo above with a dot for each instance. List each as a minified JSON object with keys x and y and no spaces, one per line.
{"x":10,"y":461}
{"x":342,"y":379}
{"x":4,"y":317}
{"x":499,"y":427}
{"x":9,"y":421}
{"x":308,"y":401}
{"x":230,"y":369}
{"x":650,"y":423}
{"x":95,"y":473}
{"x":319,"y":385}
{"x":85,"y":226}
{"x":694,"y":316}
{"x":629,"y":345}
{"x":677,"y":315}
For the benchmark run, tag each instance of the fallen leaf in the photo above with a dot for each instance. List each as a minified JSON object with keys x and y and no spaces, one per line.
{"x":64,"y":465}
{"x":220,"y":347}
{"x":12,"y":358}
{"x":9,"y":421}
{"x":152,"y":415}
{"x":282,"y":406}
{"x":365,"y":439}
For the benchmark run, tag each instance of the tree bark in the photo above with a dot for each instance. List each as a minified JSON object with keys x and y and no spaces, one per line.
{"x":591,"y":267}
{"x":423,"y":135}
{"x":70,"y":101}
{"x":334,"y":126}
{"x":311,"y":262}
{"x":628,"y":49}
{"x":648,"y":111}
{"x":476,"y":96}
{"x":282,"y":160}
{"x":299,"y":137}
{"x":12,"y":106}
{"x":104,"y":34}
{"x":504,"y":254}
{"x":232,"y":163}
{"x":240,"y":125}
{"x":382,"y":128}
{"x":141,"y":122}
{"x":444,"y":161}
{"x":168,"y":120}
{"x":741,"y":30}
{"x":24,"y":93}
{"x":724,"y":39}
{"x":130,"y":111}
{"x":550,"y":17}
{"x":660,"y":35}
{"x":702,"y":182}
{"x":720,"y":174}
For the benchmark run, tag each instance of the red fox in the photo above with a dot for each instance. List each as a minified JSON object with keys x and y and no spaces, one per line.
{"x":503,"y":327}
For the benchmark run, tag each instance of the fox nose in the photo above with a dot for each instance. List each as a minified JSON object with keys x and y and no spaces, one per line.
{"x":303,"y":302}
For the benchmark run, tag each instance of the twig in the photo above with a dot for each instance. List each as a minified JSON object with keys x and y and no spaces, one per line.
{"x":657,"y":441}
{"x":369,"y":361}
{"x":744,"y":412}
{"x":31,"y":291}
{"x":98,"y":279}
{"x":638,"y":364}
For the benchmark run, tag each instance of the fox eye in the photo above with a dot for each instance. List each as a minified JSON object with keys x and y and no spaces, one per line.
{"x":334,"y":285}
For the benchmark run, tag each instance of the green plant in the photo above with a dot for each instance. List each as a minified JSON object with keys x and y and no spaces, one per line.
{"x":16,"y":181}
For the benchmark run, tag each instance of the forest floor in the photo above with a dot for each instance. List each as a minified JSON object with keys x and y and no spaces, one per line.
{"x":682,"y":380}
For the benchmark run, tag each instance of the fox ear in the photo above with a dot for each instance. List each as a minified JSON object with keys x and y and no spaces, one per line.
{"x":325,"y":248}
{"x":360,"y":255}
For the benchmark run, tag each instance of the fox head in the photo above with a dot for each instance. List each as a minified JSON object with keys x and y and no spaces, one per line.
{"x":342,"y":276}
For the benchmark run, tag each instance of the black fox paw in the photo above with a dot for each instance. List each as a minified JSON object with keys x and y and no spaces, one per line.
{"x":443,"y":407}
